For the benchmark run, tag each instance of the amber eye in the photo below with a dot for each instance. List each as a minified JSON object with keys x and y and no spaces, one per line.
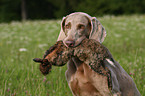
{"x":80,"y":26}
{"x":68,"y":26}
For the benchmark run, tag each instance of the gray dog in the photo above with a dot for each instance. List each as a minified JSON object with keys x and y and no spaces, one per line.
{"x":75,"y":28}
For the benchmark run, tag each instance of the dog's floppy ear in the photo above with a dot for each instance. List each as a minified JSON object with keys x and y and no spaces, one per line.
{"x":98,"y":32}
{"x":62,"y":31}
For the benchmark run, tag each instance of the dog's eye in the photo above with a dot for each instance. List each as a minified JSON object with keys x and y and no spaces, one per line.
{"x":68,"y":26}
{"x":80,"y":26}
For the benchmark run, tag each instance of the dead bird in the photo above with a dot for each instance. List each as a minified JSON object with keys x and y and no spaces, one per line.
{"x":99,"y":75}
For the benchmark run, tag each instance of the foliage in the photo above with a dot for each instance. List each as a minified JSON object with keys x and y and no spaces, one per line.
{"x":9,"y":10}
{"x":52,"y":9}
{"x":20,"y":42}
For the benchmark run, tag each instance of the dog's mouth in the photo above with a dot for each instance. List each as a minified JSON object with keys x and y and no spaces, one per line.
{"x":73,"y":43}
{"x":70,"y":43}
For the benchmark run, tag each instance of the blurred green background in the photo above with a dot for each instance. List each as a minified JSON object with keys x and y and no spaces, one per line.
{"x":52,"y":9}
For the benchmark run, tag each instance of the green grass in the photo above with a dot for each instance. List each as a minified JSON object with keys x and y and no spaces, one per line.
{"x":20,"y":76}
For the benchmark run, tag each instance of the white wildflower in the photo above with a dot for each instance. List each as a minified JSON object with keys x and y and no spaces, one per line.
{"x":22,"y":49}
{"x":9,"y":42}
{"x":10,"y":84}
{"x":117,"y":35}
{"x":42,"y":45}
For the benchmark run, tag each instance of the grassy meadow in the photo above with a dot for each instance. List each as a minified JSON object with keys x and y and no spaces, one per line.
{"x":20,"y":42}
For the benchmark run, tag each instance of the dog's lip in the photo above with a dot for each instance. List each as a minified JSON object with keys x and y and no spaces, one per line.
{"x":69,"y":46}
{"x":72,"y":46}
{"x":65,"y":44}
{"x":75,"y":45}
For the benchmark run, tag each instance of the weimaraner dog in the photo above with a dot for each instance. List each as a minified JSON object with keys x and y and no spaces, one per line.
{"x":75,"y":28}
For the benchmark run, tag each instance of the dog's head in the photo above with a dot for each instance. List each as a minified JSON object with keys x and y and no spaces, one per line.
{"x":78,"y":26}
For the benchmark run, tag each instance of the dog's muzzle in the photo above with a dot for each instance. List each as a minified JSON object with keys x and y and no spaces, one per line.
{"x":70,"y":43}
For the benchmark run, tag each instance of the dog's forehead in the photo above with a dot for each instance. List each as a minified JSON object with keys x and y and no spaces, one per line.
{"x":77,"y":19}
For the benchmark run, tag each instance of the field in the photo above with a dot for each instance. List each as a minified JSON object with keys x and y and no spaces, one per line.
{"x":20,"y":42}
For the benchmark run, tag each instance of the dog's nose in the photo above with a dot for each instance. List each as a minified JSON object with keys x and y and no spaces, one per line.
{"x":70,"y":43}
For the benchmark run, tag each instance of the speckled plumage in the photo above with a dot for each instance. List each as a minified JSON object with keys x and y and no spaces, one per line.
{"x":98,"y":58}
{"x":90,"y":51}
